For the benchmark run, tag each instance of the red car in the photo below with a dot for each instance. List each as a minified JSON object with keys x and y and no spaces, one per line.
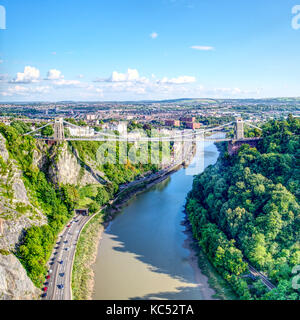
{"x":68,"y":226}
{"x":48,"y":277}
{"x":45,"y":289}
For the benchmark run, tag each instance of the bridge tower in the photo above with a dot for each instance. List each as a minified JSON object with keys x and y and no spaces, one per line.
{"x":239,"y":129}
{"x":59,"y":133}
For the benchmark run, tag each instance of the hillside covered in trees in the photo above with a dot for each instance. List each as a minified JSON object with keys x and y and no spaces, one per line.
{"x":245,"y":210}
{"x":56,"y":179}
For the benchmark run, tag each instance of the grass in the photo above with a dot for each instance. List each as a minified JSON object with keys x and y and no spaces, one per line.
{"x":82,"y":274}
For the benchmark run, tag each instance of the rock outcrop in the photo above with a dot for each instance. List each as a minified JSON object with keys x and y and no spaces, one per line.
{"x":14,"y":282}
{"x":16,"y":215}
{"x":65,"y":168}
{"x":16,"y":211}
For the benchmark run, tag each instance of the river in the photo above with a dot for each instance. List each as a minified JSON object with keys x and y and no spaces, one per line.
{"x":143,"y":254}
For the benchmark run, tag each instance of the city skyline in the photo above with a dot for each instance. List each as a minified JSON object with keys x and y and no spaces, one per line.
{"x":163,"y":49}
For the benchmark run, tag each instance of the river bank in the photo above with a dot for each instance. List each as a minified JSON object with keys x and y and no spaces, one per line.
{"x":145,"y":252}
{"x":89,"y":241}
{"x":200,"y":283}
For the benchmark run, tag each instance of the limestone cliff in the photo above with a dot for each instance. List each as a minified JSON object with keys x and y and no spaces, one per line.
{"x":16,"y":214}
{"x":16,"y":211}
{"x":14,"y":282}
{"x":65,"y":168}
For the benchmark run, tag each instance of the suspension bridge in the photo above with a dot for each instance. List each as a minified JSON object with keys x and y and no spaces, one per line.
{"x":206,"y":134}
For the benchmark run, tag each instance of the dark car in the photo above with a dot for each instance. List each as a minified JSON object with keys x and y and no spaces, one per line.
{"x":60,"y":286}
{"x":48,"y":277}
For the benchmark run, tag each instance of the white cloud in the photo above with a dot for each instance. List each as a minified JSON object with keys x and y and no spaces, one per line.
{"x":54,"y":74}
{"x":178,"y":80}
{"x":153,"y":35}
{"x":21,"y":90}
{"x":202,"y":48}
{"x":63,"y":82}
{"x":129,"y":76}
{"x":29,"y":75}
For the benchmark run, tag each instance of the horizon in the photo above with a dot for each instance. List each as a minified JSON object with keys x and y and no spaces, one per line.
{"x":145,"y":101}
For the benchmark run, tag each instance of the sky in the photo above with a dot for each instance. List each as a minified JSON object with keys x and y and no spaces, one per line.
{"x":101,"y":50}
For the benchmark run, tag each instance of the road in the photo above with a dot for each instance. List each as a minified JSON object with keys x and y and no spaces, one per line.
{"x":61,"y":261}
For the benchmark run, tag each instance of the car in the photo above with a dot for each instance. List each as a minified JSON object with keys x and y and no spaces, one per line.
{"x":66,"y":249}
{"x":44,"y":295}
{"x":61,"y":262}
{"x":60,"y":286}
{"x":50,"y":271}
{"x":62,"y":274}
{"x":68,"y":226}
{"x":66,"y":241}
{"x":45,"y":289}
{"x":48,"y":277}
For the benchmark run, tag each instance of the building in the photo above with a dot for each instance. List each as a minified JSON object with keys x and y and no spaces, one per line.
{"x":188,"y":119}
{"x":121,"y":127}
{"x":90,"y":117}
{"x":172,"y":123}
{"x":193,"y":125}
{"x":81,"y":132}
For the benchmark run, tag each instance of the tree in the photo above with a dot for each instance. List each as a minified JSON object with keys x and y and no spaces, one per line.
{"x":94,"y":207}
{"x":47,"y":131}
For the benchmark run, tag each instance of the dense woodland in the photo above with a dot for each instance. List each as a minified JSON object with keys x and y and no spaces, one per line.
{"x":245,"y":210}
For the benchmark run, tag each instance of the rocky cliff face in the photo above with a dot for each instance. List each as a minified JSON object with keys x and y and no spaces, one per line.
{"x":65,"y":168}
{"x":16,"y":211}
{"x":16,"y":214}
{"x":14,"y":283}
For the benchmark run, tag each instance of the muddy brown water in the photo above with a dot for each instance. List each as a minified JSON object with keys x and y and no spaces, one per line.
{"x":143,"y":252}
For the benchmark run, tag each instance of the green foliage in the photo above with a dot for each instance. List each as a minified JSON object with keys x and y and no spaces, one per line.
{"x":4,"y":252}
{"x":94,"y":207}
{"x":21,"y":126}
{"x":252,"y":201}
{"x":47,"y":131}
{"x":56,"y":203}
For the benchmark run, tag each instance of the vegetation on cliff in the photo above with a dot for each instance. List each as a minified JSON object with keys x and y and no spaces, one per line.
{"x":57,"y":201}
{"x":245,"y":209}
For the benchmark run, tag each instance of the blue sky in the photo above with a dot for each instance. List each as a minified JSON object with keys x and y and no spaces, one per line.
{"x":156,"y":49}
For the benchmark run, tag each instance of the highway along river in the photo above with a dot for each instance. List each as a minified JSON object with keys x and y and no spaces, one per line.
{"x":144,"y":253}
